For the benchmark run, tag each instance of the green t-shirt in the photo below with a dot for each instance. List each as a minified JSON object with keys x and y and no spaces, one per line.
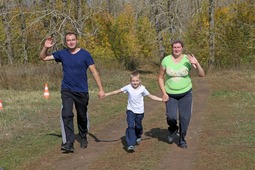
{"x":177,"y":78}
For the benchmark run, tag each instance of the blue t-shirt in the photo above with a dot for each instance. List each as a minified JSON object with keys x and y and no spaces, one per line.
{"x":74,"y":69}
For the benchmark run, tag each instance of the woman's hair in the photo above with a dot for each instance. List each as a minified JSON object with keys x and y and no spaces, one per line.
{"x":176,"y":42}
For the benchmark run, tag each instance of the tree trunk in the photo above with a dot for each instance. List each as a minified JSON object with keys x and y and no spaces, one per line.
{"x":80,"y":22}
{"x":211,"y":36}
{"x":7,"y":30}
{"x":63,"y":26}
{"x":170,"y":19}
{"x":23,"y":33}
{"x":159,"y":33}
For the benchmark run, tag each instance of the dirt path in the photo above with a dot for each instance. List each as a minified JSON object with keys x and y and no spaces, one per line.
{"x":109,"y":142}
{"x":184,"y":159}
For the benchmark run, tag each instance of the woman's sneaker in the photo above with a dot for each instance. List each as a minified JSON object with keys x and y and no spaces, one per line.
{"x":172,"y":136}
{"x":183,"y":146}
{"x":138,"y":141}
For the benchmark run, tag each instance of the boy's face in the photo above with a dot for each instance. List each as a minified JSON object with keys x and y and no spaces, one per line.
{"x":135,"y":81}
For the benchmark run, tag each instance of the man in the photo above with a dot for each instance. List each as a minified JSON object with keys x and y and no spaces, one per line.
{"x":74,"y":87}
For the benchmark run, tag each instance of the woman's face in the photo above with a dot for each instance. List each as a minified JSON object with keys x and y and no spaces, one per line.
{"x":177,"y":49}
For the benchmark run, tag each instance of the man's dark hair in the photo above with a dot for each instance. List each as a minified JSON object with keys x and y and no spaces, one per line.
{"x":70,"y":33}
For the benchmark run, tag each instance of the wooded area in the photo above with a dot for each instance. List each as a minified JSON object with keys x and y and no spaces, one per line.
{"x":221,"y":33}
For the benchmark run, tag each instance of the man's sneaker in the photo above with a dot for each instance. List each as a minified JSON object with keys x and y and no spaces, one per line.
{"x":183,"y":146}
{"x":84,"y":143}
{"x":138,"y":141}
{"x":63,"y":146}
{"x":68,"y":147}
{"x":171,"y":137}
{"x":131,"y":148}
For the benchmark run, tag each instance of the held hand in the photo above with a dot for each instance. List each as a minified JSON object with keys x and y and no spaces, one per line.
{"x":192,"y":60}
{"x":165,"y":98}
{"x":101,"y":94}
{"x":49,"y":42}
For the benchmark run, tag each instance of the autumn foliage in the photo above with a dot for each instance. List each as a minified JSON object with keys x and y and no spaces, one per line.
{"x":128,"y":34}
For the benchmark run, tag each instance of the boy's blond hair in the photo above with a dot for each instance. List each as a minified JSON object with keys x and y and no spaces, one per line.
{"x":135,"y":74}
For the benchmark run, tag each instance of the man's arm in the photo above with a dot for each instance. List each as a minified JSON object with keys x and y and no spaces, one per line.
{"x":44,"y":52}
{"x":96,"y":76}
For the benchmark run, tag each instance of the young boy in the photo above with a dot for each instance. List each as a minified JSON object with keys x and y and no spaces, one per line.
{"x":135,"y":109}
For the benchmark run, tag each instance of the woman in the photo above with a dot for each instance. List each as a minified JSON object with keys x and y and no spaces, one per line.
{"x":175,"y":83}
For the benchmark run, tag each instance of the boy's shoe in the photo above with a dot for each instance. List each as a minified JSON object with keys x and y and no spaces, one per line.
{"x":84,"y":143}
{"x":131,"y":148}
{"x":68,"y":147}
{"x":171,"y":137}
{"x":138,"y":141}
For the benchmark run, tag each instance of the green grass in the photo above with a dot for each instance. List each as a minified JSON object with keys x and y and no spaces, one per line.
{"x":227,"y":140}
{"x":26,"y":124}
{"x":29,"y":124}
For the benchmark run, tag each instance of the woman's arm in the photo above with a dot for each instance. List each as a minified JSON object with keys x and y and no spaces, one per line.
{"x":194,"y":62}
{"x":161,"y":83}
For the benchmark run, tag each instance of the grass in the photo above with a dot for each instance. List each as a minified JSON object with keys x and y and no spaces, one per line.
{"x":26,"y":125}
{"x":227,"y":140}
{"x":29,"y":124}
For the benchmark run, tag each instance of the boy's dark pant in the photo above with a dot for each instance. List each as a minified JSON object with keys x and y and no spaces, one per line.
{"x":135,"y":127}
{"x":80,"y":100}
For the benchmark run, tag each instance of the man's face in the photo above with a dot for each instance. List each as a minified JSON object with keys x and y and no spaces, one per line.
{"x":71,"y":41}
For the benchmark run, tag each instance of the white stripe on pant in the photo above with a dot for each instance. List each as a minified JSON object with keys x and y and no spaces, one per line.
{"x":63,"y":129}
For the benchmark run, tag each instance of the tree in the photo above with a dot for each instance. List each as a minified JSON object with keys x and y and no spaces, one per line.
{"x":7,"y":29}
{"x":211,"y":35}
{"x":23,"y":32}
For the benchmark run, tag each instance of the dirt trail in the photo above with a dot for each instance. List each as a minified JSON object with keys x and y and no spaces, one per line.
{"x":184,"y":158}
{"x":110,"y":138}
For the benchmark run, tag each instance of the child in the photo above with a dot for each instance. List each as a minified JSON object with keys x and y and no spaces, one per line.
{"x":135,"y":109}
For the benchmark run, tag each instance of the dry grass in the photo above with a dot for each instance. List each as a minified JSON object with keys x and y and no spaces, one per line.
{"x":29,"y":124}
{"x":227,"y":140}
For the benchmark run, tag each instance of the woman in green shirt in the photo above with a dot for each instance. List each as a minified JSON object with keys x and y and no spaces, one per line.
{"x":176,"y":86}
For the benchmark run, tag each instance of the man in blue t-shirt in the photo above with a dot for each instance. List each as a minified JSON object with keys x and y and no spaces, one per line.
{"x":74,"y":88}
